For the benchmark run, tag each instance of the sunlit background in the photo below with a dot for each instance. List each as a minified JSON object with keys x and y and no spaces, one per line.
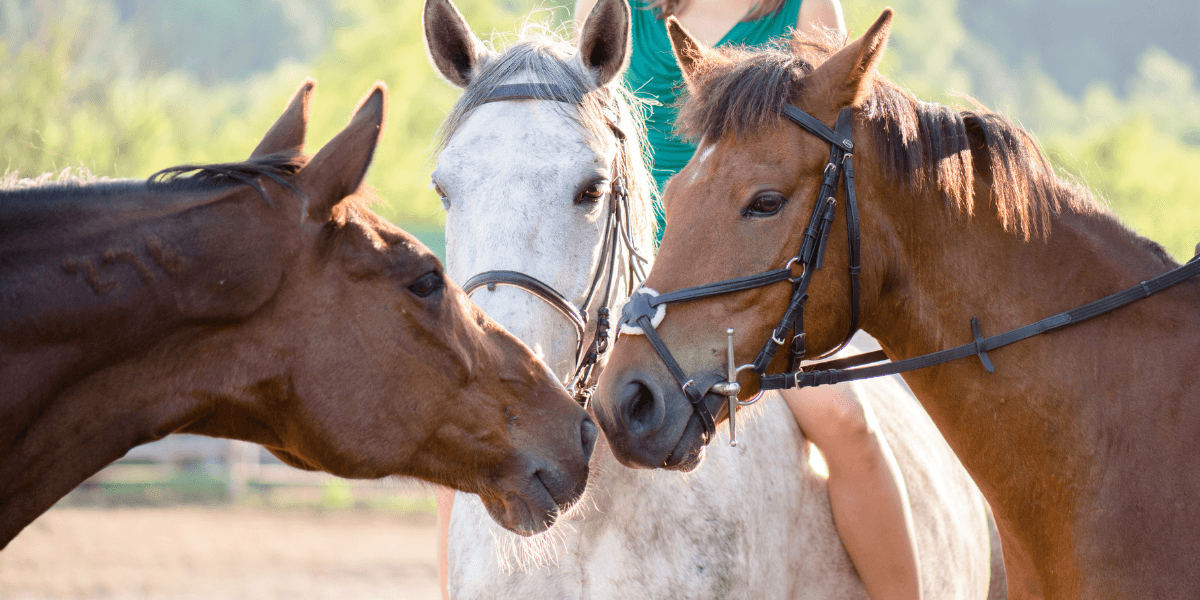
{"x":123,"y":88}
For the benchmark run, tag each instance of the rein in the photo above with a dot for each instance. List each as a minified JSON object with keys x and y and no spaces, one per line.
{"x":836,"y":371}
{"x":646,"y":307}
{"x":618,"y":233}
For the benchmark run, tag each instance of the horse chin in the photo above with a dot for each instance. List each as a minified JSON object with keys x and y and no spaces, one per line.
{"x":686,"y":464}
{"x":689,"y":450}
{"x":521,"y":516}
{"x":531,"y":512}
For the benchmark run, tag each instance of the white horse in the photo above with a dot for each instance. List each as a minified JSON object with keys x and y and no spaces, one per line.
{"x":528,"y":187}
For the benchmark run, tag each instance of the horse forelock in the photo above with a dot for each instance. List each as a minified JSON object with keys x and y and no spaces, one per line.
{"x":356,"y":209}
{"x":542,"y":55}
{"x":743,"y":91}
{"x":928,"y":148}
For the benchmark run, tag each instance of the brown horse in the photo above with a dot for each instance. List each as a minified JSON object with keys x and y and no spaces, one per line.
{"x":1085,"y":440}
{"x":263,"y":301}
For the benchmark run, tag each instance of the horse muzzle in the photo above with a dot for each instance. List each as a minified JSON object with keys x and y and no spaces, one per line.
{"x":651,"y":423}
{"x":537,"y":490}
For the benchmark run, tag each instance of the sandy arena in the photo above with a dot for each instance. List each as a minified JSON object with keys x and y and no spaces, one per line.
{"x":221,"y":553}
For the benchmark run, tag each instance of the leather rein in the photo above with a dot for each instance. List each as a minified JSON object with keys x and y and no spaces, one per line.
{"x":617,"y":234}
{"x":646,"y":307}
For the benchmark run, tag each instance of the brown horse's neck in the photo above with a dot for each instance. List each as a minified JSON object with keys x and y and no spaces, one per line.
{"x":90,"y":307}
{"x":84,"y":289}
{"x":1046,"y":435}
{"x":99,"y":418}
{"x":954,"y":267}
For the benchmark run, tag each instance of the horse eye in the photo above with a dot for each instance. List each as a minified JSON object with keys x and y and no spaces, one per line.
{"x":593,"y":193}
{"x":765,"y":205}
{"x":437,"y":188}
{"x":427,"y":284}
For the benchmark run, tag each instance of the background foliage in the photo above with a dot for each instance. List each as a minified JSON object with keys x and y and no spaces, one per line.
{"x":126,"y":87}
{"x":1108,"y":88}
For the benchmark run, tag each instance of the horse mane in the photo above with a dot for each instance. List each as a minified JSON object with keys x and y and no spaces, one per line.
{"x":927,"y":147}
{"x":545,"y":55}
{"x":79,"y":184}
{"x":274,"y":166}
{"x":11,"y":181}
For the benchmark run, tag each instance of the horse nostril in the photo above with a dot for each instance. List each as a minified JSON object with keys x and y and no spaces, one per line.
{"x":641,"y":405}
{"x":588,"y":433}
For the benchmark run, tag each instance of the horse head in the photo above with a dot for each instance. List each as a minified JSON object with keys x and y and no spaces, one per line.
{"x":265,"y":301}
{"x":399,"y":371}
{"x":733,"y":212}
{"x":549,"y":160}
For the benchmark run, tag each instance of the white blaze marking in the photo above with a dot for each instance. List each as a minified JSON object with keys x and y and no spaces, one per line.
{"x":704,"y":153}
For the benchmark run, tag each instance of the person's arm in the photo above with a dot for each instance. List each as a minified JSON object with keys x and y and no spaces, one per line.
{"x":583,"y":8}
{"x":814,"y":14}
{"x":445,"y":503}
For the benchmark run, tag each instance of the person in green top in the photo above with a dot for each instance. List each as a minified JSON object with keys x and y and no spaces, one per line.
{"x":653,"y":74}
{"x":866,"y":492}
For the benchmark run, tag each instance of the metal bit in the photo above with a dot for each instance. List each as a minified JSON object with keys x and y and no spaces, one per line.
{"x":734,"y":396}
{"x":730,"y":389}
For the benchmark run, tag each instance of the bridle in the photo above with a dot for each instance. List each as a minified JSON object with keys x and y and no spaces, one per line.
{"x":646,"y":307}
{"x":618,"y":234}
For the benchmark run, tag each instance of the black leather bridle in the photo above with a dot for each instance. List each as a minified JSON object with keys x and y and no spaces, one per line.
{"x":644,"y":306}
{"x":617,"y":234}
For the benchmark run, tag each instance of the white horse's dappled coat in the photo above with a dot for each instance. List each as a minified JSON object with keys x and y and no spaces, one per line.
{"x":752,"y":521}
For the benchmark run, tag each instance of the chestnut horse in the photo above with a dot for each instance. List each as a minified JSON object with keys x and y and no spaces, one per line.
{"x":263,"y":301}
{"x":1084,"y":440}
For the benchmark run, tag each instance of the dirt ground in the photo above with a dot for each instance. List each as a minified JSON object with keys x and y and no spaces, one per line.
{"x":220,"y":553}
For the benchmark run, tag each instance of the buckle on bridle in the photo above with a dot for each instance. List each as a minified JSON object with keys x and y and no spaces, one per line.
{"x":692,"y":384}
{"x":774,"y":338}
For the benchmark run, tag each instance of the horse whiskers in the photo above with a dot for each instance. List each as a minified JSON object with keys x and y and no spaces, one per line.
{"x":516,"y":553}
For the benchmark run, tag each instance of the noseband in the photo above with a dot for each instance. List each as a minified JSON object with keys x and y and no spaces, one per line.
{"x":617,"y":233}
{"x":639,"y":313}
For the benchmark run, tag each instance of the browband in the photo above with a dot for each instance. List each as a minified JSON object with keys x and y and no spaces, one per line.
{"x":532,"y":91}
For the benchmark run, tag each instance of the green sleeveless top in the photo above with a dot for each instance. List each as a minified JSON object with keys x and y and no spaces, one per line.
{"x":653,"y":74}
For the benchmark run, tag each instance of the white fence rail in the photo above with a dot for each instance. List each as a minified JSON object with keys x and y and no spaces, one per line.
{"x":241,"y":464}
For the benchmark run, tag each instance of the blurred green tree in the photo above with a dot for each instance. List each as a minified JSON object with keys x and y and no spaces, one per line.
{"x":1140,"y":153}
{"x":77,"y":91}
{"x":127,"y":87}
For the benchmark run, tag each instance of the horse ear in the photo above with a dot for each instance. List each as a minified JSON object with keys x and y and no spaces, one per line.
{"x":452,"y":47}
{"x":604,"y":41}
{"x":689,"y":52}
{"x":339,"y":168}
{"x":288,"y":131}
{"x":848,"y":75}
